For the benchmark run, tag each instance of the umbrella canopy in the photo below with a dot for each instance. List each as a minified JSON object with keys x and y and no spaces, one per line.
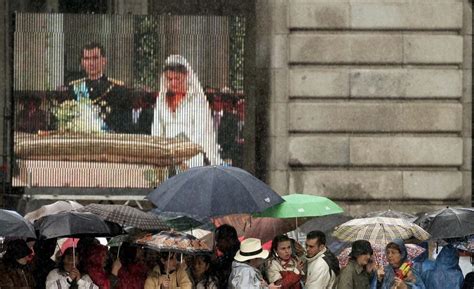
{"x":325,"y":224}
{"x":127,"y":216}
{"x":301,"y":205}
{"x":73,"y":224}
{"x":379,"y":254}
{"x":213,"y":191}
{"x":264,"y":229}
{"x":13,"y":224}
{"x":448,"y":223}
{"x":379,"y":230}
{"x":178,"y":221}
{"x":174,"y":242}
{"x":51,"y":209}
{"x":391,"y":214}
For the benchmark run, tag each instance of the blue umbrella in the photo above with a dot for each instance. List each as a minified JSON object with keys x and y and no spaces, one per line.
{"x":213,"y":191}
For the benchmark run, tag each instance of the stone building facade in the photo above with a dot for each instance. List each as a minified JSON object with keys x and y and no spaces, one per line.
{"x":368,"y":102}
{"x":371,"y":101}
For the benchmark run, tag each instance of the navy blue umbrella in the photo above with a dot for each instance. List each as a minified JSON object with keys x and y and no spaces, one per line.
{"x":214,"y":191}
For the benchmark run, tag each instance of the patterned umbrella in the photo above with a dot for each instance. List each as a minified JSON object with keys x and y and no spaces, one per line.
{"x":379,"y":254}
{"x":127,"y":216}
{"x":177,"y":242}
{"x":379,"y":230}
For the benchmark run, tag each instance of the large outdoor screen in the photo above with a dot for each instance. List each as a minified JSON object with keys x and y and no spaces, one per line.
{"x":125,"y":101}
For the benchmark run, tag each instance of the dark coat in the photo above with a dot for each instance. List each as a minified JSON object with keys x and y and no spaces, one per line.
{"x":14,"y":275}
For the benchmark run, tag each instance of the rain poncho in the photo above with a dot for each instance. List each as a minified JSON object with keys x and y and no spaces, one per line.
{"x":389,"y":277}
{"x":192,"y":119}
{"x":446,"y":272}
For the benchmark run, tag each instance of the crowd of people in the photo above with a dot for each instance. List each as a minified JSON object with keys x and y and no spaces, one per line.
{"x":233,"y":265}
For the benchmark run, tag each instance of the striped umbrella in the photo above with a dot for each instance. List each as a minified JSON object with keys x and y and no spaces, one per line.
{"x":379,"y":230}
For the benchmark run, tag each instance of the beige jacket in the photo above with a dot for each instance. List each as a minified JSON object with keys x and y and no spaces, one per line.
{"x":179,"y":279}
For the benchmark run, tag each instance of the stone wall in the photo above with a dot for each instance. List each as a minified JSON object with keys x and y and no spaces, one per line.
{"x":369,"y":101}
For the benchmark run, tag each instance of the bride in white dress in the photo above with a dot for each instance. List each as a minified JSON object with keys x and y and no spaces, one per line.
{"x":182,"y":110}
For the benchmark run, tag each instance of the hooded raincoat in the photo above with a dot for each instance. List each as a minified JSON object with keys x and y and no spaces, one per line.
{"x":389,"y":277}
{"x":446,"y":272}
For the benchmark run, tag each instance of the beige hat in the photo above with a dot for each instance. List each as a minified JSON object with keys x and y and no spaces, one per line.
{"x":251,"y":248}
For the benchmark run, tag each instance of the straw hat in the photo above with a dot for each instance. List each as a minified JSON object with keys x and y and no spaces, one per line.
{"x":250,"y":248}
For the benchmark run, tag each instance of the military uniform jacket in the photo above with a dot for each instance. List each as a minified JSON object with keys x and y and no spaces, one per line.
{"x":113,"y":99}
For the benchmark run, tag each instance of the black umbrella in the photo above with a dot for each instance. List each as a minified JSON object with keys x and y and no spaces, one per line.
{"x":180,"y":222}
{"x":13,"y":224}
{"x":213,"y":191}
{"x":325,"y":224}
{"x":74,"y":224}
{"x":391,"y":214}
{"x":448,"y":223}
{"x":127,"y":216}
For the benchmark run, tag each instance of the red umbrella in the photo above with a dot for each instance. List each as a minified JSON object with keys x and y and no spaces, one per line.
{"x":264,"y":229}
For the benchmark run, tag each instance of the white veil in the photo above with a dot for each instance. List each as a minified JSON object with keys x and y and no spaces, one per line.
{"x":199,"y":119}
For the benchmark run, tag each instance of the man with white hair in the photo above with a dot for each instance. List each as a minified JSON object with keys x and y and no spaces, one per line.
{"x":182,"y":110}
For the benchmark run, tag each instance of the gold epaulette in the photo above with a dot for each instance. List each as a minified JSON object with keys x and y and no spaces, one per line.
{"x":74,"y":82}
{"x":116,"y":82}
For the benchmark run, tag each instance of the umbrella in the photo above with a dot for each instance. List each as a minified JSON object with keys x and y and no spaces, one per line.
{"x":127,"y":216}
{"x":264,"y":229}
{"x":448,"y":223}
{"x":69,"y":243}
{"x":325,"y":224}
{"x":177,"y":242}
{"x":379,"y":230}
{"x":13,"y":224}
{"x":379,"y":254}
{"x":178,"y":221}
{"x":51,"y":209}
{"x":213,"y":191}
{"x":204,"y":235}
{"x":73,"y":224}
{"x":391,"y":214}
{"x":300,"y":206}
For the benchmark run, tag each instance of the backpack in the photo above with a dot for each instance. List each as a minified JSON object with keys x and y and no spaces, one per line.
{"x":332,"y":262}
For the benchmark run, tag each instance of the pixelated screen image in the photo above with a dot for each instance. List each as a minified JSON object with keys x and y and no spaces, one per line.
{"x":125,"y":101}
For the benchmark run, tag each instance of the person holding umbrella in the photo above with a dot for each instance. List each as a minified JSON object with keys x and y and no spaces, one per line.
{"x":446,"y":272}
{"x":399,"y":273}
{"x":174,"y":278}
{"x":67,"y":275}
{"x":356,"y":274}
{"x":245,"y":273}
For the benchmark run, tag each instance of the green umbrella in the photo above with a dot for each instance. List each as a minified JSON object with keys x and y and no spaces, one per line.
{"x":301,"y":206}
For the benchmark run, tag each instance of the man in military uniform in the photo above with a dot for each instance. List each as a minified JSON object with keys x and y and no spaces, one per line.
{"x":113,"y":100}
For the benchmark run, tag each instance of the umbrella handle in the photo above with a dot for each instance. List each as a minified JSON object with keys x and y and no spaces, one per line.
{"x":73,"y":254}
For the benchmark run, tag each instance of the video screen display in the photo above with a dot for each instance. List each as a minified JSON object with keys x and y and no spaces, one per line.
{"x":125,"y":101}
